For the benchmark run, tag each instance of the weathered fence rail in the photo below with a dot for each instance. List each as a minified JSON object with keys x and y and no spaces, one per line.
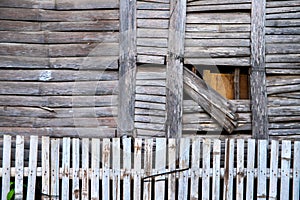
{"x":63,"y":168}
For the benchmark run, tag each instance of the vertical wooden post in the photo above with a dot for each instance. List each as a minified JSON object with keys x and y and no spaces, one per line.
{"x":258,"y":74}
{"x":127,"y":67}
{"x":174,"y":85}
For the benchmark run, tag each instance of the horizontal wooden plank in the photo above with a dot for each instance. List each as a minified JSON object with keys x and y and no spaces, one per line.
{"x":41,"y":112}
{"x":212,"y":35}
{"x":159,"y":1}
{"x":152,"y":42}
{"x":153,"y":14}
{"x":271,"y":39}
{"x":284,"y":119}
{"x":151,"y":72}
{"x":33,"y":122}
{"x":283,"y":89}
{"x":58,"y":101}
{"x":150,"y":133}
{"x":217,"y":42}
{"x":103,"y":132}
{"x":151,"y":59}
{"x":56,"y":75}
{"x":241,"y":61}
{"x":198,"y":52}
{"x":153,"y":23}
{"x":218,"y":28}
{"x":152,"y":33}
{"x":283,"y":71}
{"x":283,"y":48}
{"x":219,"y":7}
{"x":23,"y":14}
{"x":282,"y":9}
{"x":288,"y":3}
{"x":283,"y":58}
{"x":214,"y":2}
{"x":149,"y":126}
{"x":282,"y":80}
{"x":283,"y":22}
{"x":149,"y":112}
{"x":285,"y":111}
{"x":156,"y":51}
{"x":287,"y":65}
{"x":62,"y":88}
{"x":145,"y":5}
{"x":218,"y":18}
{"x":282,"y":101}
{"x":282,"y":30}
{"x":49,"y":37}
{"x":284,"y":132}
{"x":150,"y":90}
{"x":154,"y":82}
{"x":290,"y":95}
{"x":6,"y":25}
{"x":149,"y":119}
{"x":291,"y":15}
{"x":285,"y":125}
{"x":83,"y":63}
{"x":150,"y":105}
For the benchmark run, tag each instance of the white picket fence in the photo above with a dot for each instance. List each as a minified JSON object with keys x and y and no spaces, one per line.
{"x":159,"y":168}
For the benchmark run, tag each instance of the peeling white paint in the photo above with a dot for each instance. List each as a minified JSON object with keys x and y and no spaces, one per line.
{"x":45,"y":75}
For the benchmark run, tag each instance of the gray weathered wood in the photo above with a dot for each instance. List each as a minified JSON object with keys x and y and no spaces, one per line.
{"x":206,"y":169}
{"x":76,"y":169}
{"x":66,"y":165}
{"x":32,"y":168}
{"x":172,"y":166}
{"x":183,"y":164}
{"x":262,"y":169}
{"x":258,"y":75}
{"x":174,"y":86}
{"x":19,"y":167}
{"x":229,"y":169}
{"x":147,"y":191}
{"x":160,"y":163}
{"x":95,"y":167}
{"x":250,"y":169}
{"x":137,"y":167}
{"x":106,"y":168}
{"x":240,"y":173}
{"x":127,"y":68}
{"x":54,"y":166}
{"x":116,"y":163}
{"x":127,"y":167}
{"x":296,"y":170}
{"x":274,"y":170}
{"x":196,"y":152}
{"x":216,"y":169}
{"x":6,"y":165}
{"x":46,"y":166}
{"x":285,"y":170}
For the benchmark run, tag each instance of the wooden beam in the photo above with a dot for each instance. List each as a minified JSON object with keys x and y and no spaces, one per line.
{"x":258,"y":74}
{"x":127,"y":68}
{"x":175,"y":69}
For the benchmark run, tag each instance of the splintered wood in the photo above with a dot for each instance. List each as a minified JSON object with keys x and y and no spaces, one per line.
{"x":150,"y":168}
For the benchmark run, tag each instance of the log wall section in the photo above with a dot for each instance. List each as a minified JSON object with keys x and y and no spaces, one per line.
{"x":283,"y":66}
{"x":59,"y":67}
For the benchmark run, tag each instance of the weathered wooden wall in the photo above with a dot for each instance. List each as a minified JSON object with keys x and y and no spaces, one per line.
{"x":283,"y":66}
{"x":59,"y":67}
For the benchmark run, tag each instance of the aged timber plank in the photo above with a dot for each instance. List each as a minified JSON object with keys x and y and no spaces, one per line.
{"x":258,"y":75}
{"x":127,"y":68}
{"x":32,"y":168}
{"x":174,"y":80}
{"x":19,"y":167}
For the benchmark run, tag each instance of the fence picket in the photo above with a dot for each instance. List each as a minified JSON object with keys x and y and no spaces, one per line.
{"x":206,"y":169}
{"x":262,"y":169}
{"x":45,"y":168}
{"x":95,"y":176}
{"x":273,"y":170}
{"x":137,"y":168}
{"x":85,"y":169}
{"x":65,"y":168}
{"x":6,"y":165}
{"x":216,"y":170}
{"x":240,"y":169}
{"x":228,"y":169}
{"x":172,"y":167}
{"x":54,"y":164}
{"x":116,"y":169}
{"x":196,"y":152}
{"x":250,"y":169}
{"x":160,"y":165}
{"x":75,"y":166}
{"x":296,"y":171}
{"x":148,"y":168}
{"x":32,"y":167}
{"x":127,"y":168}
{"x":105,"y":168}
{"x":183,"y":165}
{"x":285,"y":170}
{"x":19,"y":167}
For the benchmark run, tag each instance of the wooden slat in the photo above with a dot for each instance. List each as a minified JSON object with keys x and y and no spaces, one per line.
{"x":285,"y":170}
{"x":54,"y":166}
{"x":229,"y":169}
{"x":172,"y":166}
{"x":127,"y":168}
{"x":296,"y":171}
{"x":216,"y":169}
{"x":66,"y":165}
{"x":240,"y":169}
{"x":148,"y":169}
{"x":6,"y":165}
{"x":250,"y":169}
{"x":258,"y":75}
{"x":160,"y":165}
{"x":75,"y":168}
{"x":196,"y":152}
{"x":137,"y":187}
{"x":116,"y":182}
{"x":105,"y":169}
{"x":262,"y":169}
{"x":174,"y":80}
{"x":46,"y":167}
{"x":32,"y":168}
{"x":274,"y":170}
{"x":19,"y":167}
{"x":95,"y":175}
{"x":85,"y":151}
{"x":183,"y":164}
{"x":127,"y":71}
{"x":206,"y":169}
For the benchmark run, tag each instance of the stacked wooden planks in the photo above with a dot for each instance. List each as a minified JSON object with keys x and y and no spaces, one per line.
{"x":152,"y":30}
{"x":59,"y":67}
{"x":218,"y":32}
{"x":283,"y":66}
